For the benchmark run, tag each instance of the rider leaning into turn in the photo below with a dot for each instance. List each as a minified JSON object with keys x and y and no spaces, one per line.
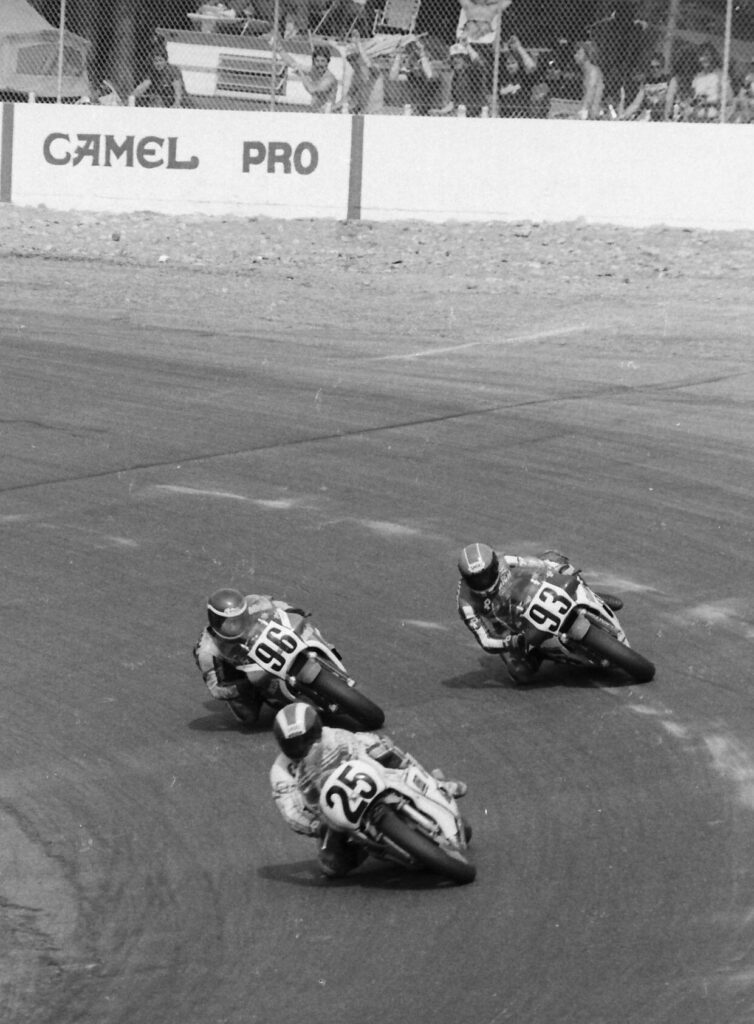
{"x":485,"y":585}
{"x":310,"y":752}
{"x":234,"y":620}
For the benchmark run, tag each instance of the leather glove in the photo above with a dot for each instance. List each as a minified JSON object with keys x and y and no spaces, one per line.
{"x":518,"y":644}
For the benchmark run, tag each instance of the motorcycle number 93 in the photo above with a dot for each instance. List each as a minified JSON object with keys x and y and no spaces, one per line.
{"x":349,"y":791}
{"x":548,"y":608}
{"x":274,"y":647}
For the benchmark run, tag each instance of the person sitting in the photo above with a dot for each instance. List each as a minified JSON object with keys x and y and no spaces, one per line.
{"x":710,"y":88}
{"x":546,"y":80}
{"x":516,"y":80}
{"x":469,"y":94}
{"x":163,"y":86}
{"x":742,"y":111}
{"x":656,"y":96}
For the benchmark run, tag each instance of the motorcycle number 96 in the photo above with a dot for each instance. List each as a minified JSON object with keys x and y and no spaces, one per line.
{"x":548,"y":608}
{"x":274,"y":648}
{"x":349,"y":791}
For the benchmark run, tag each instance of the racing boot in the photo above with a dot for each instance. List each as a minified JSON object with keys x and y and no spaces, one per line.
{"x":453,"y":787}
{"x":338,"y":856}
{"x":522,"y":666}
{"x":247,"y":706}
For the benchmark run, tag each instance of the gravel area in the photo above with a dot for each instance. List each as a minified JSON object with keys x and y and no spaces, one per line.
{"x":328,"y":272}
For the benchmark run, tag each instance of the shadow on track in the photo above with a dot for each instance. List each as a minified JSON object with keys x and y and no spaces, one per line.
{"x":373,"y":875}
{"x":221,"y":720}
{"x":549,"y":676}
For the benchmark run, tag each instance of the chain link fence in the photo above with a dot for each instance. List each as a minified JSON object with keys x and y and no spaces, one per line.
{"x":627,"y":59}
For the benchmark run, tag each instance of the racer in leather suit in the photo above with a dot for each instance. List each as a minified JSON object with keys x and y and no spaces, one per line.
{"x":310,"y":752}
{"x":486,"y":581}
{"x":234,"y":620}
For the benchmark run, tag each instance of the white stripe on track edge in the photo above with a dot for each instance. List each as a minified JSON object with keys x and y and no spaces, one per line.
{"x":556,"y":332}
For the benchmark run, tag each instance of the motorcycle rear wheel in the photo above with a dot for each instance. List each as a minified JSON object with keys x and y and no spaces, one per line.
{"x":421,"y":849}
{"x":351,"y":703}
{"x":605,"y":646}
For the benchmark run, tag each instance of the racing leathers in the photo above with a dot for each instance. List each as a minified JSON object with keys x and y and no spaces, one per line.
{"x":487,"y":614}
{"x":219,"y":662}
{"x":296,"y":787}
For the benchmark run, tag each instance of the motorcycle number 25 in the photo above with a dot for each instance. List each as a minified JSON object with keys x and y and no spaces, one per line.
{"x":274,"y":648}
{"x":349,"y":791}
{"x":548,"y":608}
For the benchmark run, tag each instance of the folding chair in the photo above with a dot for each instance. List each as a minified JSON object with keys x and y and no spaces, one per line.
{"x":399,"y":15}
{"x":359,"y":6}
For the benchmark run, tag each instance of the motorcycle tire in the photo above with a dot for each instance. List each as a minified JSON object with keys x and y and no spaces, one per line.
{"x":351,"y":704}
{"x":617,"y":654}
{"x":422,"y":850}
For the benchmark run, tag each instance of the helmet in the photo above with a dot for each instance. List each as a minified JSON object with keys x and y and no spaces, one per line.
{"x":297,"y":727}
{"x":479,"y":566}
{"x":228,"y":614}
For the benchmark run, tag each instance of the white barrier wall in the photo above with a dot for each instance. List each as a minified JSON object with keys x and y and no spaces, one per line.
{"x":180,"y":161}
{"x":378,"y":167}
{"x":627,"y":173}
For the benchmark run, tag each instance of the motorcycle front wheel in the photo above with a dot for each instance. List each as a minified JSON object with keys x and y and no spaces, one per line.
{"x":605,"y":646}
{"x":329,"y":689}
{"x":422,"y":850}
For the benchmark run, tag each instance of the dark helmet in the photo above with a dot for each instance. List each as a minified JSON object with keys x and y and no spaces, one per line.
{"x":228,"y":614}
{"x":479,"y":566}
{"x":297,"y":727}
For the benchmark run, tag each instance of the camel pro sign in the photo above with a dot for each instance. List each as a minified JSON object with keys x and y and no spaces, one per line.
{"x":181,"y":161}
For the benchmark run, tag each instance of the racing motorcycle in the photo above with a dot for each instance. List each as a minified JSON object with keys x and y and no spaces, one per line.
{"x":305,"y":667}
{"x":401,"y":815}
{"x":566,"y":621}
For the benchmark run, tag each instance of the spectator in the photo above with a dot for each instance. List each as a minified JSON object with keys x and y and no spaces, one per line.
{"x":413,"y":69}
{"x":516,"y":81}
{"x":586,"y":56}
{"x":163,"y":87}
{"x":468,"y":86}
{"x":364,"y":80}
{"x":480,"y":17}
{"x":708,"y":85}
{"x":105,"y":94}
{"x":319,"y":82}
{"x":293,"y":16}
{"x":743,"y":104}
{"x":546,"y":81}
{"x":656,"y":96}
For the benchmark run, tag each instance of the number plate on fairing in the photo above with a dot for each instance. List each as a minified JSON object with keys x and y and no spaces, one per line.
{"x":275,"y":648}
{"x":549,"y":608}
{"x":348,"y":792}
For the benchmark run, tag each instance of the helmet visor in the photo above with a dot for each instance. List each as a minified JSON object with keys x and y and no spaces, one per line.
{"x":297,"y":746}
{"x":485,"y":579}
{"x":233,"y":627}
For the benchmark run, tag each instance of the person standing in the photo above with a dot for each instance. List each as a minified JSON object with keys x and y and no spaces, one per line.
{"x":412,"y":67}
{"x":586,"y":55}
{"x":319,"y":81}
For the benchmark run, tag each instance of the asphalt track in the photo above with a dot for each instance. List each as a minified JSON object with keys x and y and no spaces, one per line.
{"x":146,"y":875}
